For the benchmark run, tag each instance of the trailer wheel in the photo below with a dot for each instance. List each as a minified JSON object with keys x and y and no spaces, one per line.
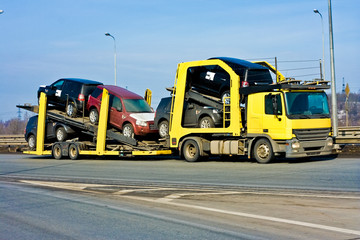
{"x":32,"y":142}
{"x":206,"y":122}
{"x":164,"y":128}
{"x":57,"y":151}
{"x":61,"y":134}
{"x":128,"y":130}
{"x":73,"y":151}
{"x":191,"y":151}
{"x":94,"y":116}
{"x":263,"y":151}
{"x":71,"y":109}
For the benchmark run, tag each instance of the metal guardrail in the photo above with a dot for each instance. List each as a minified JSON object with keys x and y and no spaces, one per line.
{"x":12,"y":140}
{"x":348,"y":135}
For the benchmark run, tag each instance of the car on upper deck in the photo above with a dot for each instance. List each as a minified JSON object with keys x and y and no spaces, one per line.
{"x":69,"y":94}
{"x":128,"y":111}
{"x":215,"y":81}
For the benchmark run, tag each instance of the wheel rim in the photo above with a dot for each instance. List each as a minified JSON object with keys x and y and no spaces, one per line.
{"x":191,"y":151}
{"x":92,"y":117}
{"x":72,"y":151}
{"x":205,"y":123}
{"x":263,"y":151}
{"x":163,"y":130}
{"x":127,"y":131}
{"x":70,"y":109}
{"x":227,"y":100}
{"x":59,"y":135}
{"x":57,"y":151}
{"x":31,"y":142}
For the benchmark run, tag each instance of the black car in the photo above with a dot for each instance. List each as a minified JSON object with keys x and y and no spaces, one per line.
{"x":54,"y":130}
{"x":69,"y":93}
{"x":194,"y":116}
{"x":214,"y":80}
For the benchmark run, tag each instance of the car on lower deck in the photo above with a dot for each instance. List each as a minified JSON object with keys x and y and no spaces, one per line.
{"x":54,"y":131}
{"x":128,"y":111}
{"x":195,"y":116}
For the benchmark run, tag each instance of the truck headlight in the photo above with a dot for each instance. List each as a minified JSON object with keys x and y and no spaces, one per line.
{"x":329,"y":142}
{"x":141,"y":123}
{"x":295,"y":145}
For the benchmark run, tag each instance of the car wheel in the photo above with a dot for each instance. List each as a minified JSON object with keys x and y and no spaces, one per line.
{"x":73,"y":151}
{"x":206,"y":122}
{"x":71,"y":109}
{"x":263,"y":152}
{"x":128,"y":130}
{"x":32,"y":142}
{"x":57,"y":151}
{"x":224,"y":95}
{"x":94,"y":116}
{"x":61,"y":134}
{"x":191,"y":151}
{"x":164,"y":129}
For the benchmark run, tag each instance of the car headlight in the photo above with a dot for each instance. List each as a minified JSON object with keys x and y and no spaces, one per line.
{"x":141,"y":123}
{"x":295,"y":145}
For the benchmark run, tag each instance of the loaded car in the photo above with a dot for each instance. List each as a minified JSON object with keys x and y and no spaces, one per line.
{"x":53,"y":131}
{"x":195,"y":115}
{"x":69,"y":94}
{"x":214,"y":80}
{"x":128,"y":111}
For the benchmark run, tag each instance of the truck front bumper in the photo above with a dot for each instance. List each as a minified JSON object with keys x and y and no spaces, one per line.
{"x":296,"y":149}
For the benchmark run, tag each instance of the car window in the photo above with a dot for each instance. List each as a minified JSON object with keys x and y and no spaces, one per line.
{"x":96,"y":92}
{"x":89,"y":89}
{"x":58,"y":84}
{"x":72,"y":88}
{"x":137,"y":105}
{"x":115,"y":102}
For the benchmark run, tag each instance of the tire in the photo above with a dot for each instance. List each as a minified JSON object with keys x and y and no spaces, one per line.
{"x":191,"y":151}
{"x":164,"y":129}
{"x":32,"y":142}
{"x":73,"y":151}
{"x":57,"y":151}
{"x":71,"y":110}
{"x":128,"y":130}
{"x":225,"y":94}
{"x":206,"y":122}
{"x":61,"y":134}
{"x":263,"y":151}
{"x":94,"y":116}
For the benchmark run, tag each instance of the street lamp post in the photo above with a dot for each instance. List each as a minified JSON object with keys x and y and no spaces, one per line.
{"x":332,"y":68}
{"x":109,"y":35}
{"x":323,"y":41}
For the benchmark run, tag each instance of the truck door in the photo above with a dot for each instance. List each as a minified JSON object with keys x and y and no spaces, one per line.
{"x":274,"y":118}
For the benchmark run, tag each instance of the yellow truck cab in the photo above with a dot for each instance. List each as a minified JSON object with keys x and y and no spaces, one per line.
{"x":287,"y":118}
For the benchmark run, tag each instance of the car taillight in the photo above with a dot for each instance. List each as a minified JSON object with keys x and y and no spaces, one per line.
{"x":245,"y":84}
{"x":81,"y":97}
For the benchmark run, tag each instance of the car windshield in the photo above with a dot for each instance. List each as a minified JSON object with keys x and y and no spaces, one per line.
{"x":137,"y":105}
{"x":307,"y":105}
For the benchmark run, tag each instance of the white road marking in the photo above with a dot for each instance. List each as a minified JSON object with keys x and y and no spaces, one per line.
{"x":167,"y":200}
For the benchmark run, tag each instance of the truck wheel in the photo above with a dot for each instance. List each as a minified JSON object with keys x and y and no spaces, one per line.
{"x":164,"y":129}
{"x":263,"y":152}
{"x":57,"y":151}
{"x":71,"y":109}
{"x":32,"y":142}
{"x":206,"y":122}
{"x":191,"y":151}
{"x":94,"y":116}
{"x":61,"y":134}
{"x":128,"y":130}
{"x":73,"y":151}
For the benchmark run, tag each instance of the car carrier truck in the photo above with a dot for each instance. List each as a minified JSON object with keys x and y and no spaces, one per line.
{"x":287,"y":118}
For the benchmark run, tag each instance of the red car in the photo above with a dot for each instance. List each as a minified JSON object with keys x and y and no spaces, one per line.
{"x":128,"y":111}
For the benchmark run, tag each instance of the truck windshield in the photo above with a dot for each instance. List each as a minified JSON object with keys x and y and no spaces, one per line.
{"x":137,"y":105}
{"x":307,"y":105}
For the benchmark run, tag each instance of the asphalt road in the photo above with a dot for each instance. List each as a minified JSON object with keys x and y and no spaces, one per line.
{"x":43,"y":198}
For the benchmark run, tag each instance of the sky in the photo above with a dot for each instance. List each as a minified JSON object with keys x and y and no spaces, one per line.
{"x":42,"y":41}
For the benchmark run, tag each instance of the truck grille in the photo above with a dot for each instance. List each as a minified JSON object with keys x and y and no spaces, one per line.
{"x":312,"y":134}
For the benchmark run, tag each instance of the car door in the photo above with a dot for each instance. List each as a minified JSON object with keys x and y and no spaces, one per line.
{"x":54,"y":91}
{"x":116,"y":115}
